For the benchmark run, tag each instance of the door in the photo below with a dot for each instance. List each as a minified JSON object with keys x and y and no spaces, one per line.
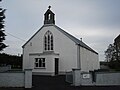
{"x":56,"y":66}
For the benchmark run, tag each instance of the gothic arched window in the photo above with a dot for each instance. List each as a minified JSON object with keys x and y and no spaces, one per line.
{"x":48,"y":41}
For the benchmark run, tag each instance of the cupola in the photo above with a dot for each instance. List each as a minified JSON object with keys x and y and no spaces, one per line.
{"x":49,"y":17}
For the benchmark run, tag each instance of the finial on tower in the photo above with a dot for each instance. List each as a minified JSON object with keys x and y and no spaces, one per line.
{"x":49,"y":7}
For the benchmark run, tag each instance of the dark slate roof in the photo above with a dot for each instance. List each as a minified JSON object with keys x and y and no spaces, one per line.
{"x":77,"y":41}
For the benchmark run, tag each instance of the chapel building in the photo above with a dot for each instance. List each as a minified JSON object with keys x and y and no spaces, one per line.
{"x":52,"y":51}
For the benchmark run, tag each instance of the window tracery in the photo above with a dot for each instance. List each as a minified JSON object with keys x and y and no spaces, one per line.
{"x":48,"y":41}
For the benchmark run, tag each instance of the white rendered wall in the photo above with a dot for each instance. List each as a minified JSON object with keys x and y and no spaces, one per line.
{"x":66,"y":48}
{"x":49,"y":64}
{"x":16,"y":79}
{"x":12,"y":79}
{"x":89,"y":60}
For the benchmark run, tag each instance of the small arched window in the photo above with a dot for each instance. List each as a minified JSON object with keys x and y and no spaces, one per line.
{"x":48,"y":41}
{"x":49,"y":15}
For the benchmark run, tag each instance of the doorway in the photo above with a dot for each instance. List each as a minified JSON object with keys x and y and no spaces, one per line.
{"x":56,"y":66}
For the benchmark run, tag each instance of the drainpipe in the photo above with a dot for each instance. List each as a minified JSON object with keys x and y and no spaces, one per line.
{"x":78,"y":57}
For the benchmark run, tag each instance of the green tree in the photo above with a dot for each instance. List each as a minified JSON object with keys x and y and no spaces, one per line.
{"x":13,"y":60}
{"x":112,"y":57}
{"x":2,"y":34}
{"x":110,"y":53}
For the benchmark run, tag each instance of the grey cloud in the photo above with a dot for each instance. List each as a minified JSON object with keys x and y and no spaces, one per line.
{"x":79,"y":17}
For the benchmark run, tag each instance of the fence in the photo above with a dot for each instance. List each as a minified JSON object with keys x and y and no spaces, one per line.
{"x":16,"y":79}
{"x":69,"y":77}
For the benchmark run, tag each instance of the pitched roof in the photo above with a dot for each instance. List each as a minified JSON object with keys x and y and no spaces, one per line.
{"x":77,"y":41}
{"x":48,"y":11}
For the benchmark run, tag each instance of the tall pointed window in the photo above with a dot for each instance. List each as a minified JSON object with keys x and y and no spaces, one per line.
{"x":48,"y":41}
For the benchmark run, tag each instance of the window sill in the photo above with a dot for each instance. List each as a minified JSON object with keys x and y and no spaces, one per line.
{"x":39,"y":68}
{"x":48,"y":51}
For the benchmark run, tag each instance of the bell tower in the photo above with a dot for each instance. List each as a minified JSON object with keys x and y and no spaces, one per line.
{"x":49,"y":17}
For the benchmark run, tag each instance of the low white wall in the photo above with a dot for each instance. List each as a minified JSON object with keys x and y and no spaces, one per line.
{"x":28,"y":78}
{"x":12,"y":79}
{"x":111,"y":78}
{"x":76,"y":77}
{"x":5,"y":68}
{"x":96,"y":78}
{"x":86,"y":79}
{"x":16,"y":79}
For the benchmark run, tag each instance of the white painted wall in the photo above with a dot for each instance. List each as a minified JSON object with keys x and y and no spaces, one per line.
{"x":66,"y":48}
{"x":89,"y":60}
{"x":11,"y":79}
{"x":28,"y":78}
{"x":16,"y":79}
{"x":101,"y":78}
{"x":108,"y":78}
{"x":5,"y":68}
{"x":49,"y":64}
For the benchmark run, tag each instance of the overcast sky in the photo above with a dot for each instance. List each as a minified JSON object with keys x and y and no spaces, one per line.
{"x":97,"y":22}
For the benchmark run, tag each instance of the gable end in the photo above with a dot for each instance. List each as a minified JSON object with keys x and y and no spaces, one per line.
{"x":32,"y":36}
